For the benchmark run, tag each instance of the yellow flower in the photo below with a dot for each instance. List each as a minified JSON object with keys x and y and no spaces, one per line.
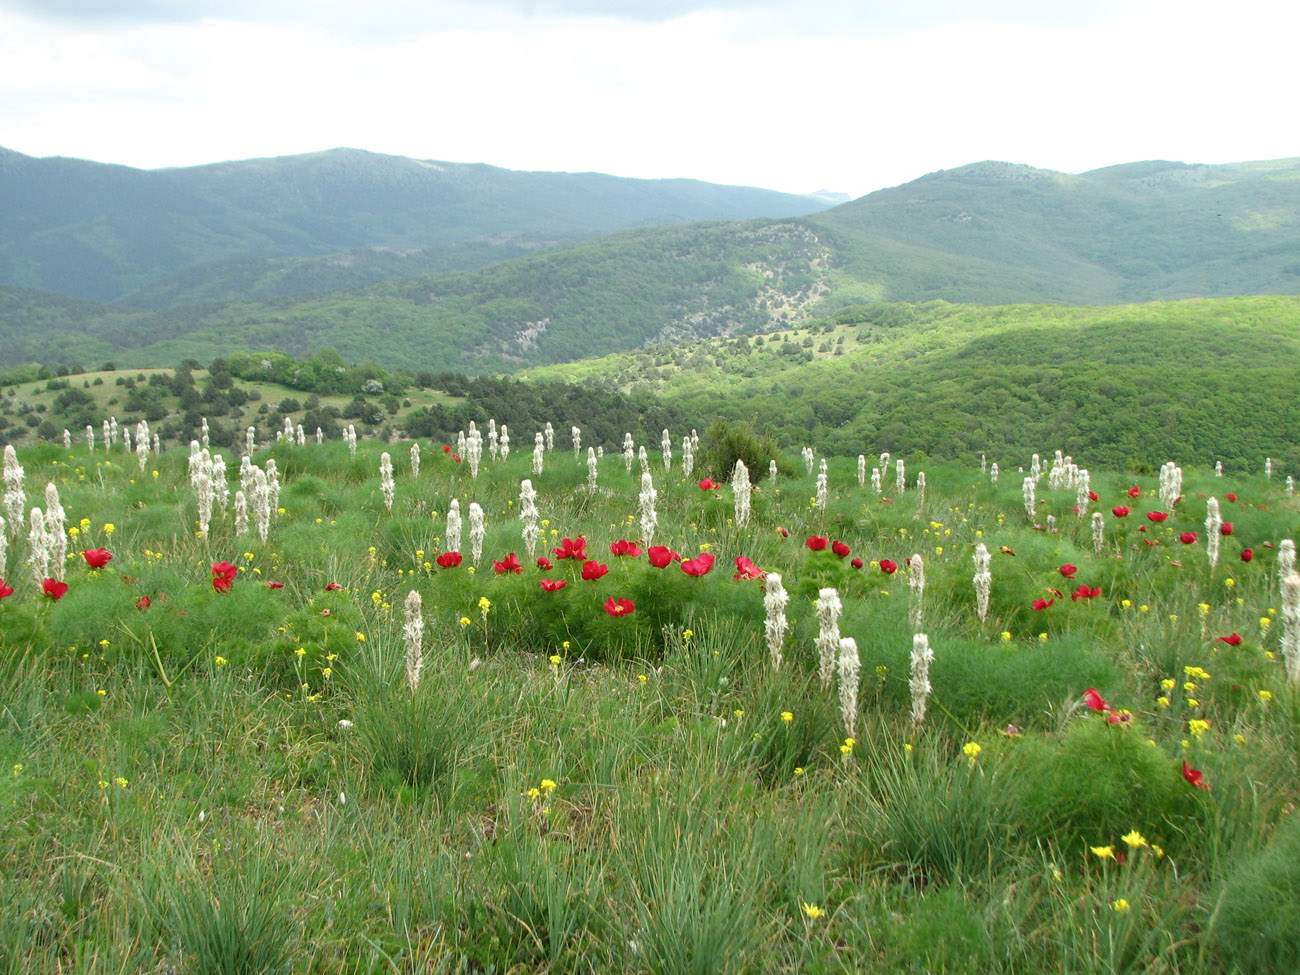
{"x":687,"y":634}
{"x":548,"y":785}
{"x":812,"y":912}
{"x":1204,"y":608}
{"x":361,"y":637}
{"x":534,"y":793}
{"x":1144,"y":608}
{"x":738,"y":713}
{"x":1265,"y":696}
{"x":1105,"y":852}
{"x":1126,"y":603}
{"x":109,"y":528}
{"x":1006,"y":636}
{"x":326,"y":671}
{"x":103,"y":643}
{"x":1193,"y":702}
{"x":484,"y":604}
{"x":1173,"y":617}
{"x":787,"y":716}
{"x":1189,"y":687}
{"x":85,"y":523}
{"x":1168,"y":684}
{"x":220,"y":661}
{"x":798,"y":770}
{"x":1157,"y":850}
{"x":555,"y":659}
{"x":907,"y":748}
{"x":1163,"y":701}
{"x":1198,"y":727}
{"x":101,"y":692}
{"x":971,"y":750}
{"x":121,"y":782}
{"x":18,"y":768}
{"x":74,"y":531}
{"x":300,"y":652}
{"x":641,"y":678}
{"x":1265,"y":622}
{"x":1120,"y":906}
{"x":1239,"y":739}
{"x":1229,"y":582}
{"x":1134,"y":839}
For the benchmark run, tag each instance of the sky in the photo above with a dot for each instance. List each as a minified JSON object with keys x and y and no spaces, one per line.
{"x":794,"y":96}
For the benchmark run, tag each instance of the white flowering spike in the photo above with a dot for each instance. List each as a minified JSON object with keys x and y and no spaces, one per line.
{"x":107,"y":431}
{"x":916,"y":583}
{"x":822,"y":487}
{"x":984,"y":465}
{"x":494,"y":443}
{"x":415,"y":459}
{"x":877,"y":481}
{"x":1031,"y":504}
{"x":474,"y":450}
{"x":1098,"y":532}
{"x":287,"y":434}
{"x":157,"y":444}
{"x":629,"y":452}
{"x":320,"y":436}
{"x":528,"y":514}
{"x":993,"y":474}
{"x":741,"y":489}
{"x":920,"y":490}
{"x":775,"y":600}
{"x":646,"y":508}
{"x":273,"y":487}
{"x":1213,"y":534}
{"x":884,"y":461}
{"x":204,"y":429}
{"x":56,"y":536}
{"x":850,"y":665}
{"x":1290,"y":486}
{"x":771,"y":470}
{"x":203,"y":491}
{"x":919,"y":684}
{"x":15,"y":498}
{"x":900,"y":479}
{"x":1268,"y":467}
{"x":688,"y":457}
{"x":67,"y":439}
{"x":695,"y":440}
{"x":241,"y":514}
{"x":809,"y":458}
{"x":250,"y":440}
{"x":90,"y":438}
{"x":38,"y":556}
{"x":1171,"y":485}
{"x":112,"y":430}
{"x":300,"y":436}
{"x":983,"y":581}
{"x":539,"y":453}
{"x":1218,"y":468}
{"x":386,"y":483}
{"x":1285,"y":559}
{"x":413,"y":636}
{"x":862,"y":470}
{"x":829,"y":608}
{"x":351,"y":434}
{"x":1082,"y":491}
{"x":504,"y":443}
{"x":126,"y":439}
{"x":550,"y":436}
{"x":666,"y":447}
{"x":1035,"y":467}
{"x":261,"y":503}
{"x":4,"y":547}
{"x":452,"y":536}
{"x":1051,"y":524}
{"x":477,"y":532}
{"x":1291,"y":627}
{"x":643,"y":459}
{"x":591,"y":470}
{"x":462,"y":445}
{"x":217,"y":472}
{"x":577,"y":441}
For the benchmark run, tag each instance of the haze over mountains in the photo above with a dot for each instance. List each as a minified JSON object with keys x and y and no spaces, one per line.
{"x":192,"y":245}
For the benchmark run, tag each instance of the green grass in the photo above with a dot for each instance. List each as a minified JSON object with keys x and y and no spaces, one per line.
{"x":245,"y":781}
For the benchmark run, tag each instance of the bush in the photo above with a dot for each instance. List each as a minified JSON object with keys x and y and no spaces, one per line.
{"x":726,"y":442}
{"x":1258,"y":926}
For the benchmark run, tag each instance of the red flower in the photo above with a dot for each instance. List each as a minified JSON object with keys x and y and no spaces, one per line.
{"x":552,"y":585}
{"x":143,"y":603}
{"x":1120,"y":510}
{"x":223,"y":576}
{"x":1187,"y":538}
{"x":782,"y":532}
{"x":1247,"y":554}
{"x":5,"y":589}
{"x":1094,"y":700}
{"x":1231,"y":497}
{"x":97,"y":558}
{"x":818,"y":543}
{"x":446,"y":448}
{"x":1041,"y":604}
{"x":888,"y":566}
{"x":624,"y":547}
{"x":1068,"y":570}
{"x":571,"y":548}
{"x":708,"y":485}
{"x":508,"y":564}
{"x":1194,"y":776}
{"x":856,"y":563}
{"x":456,"y":458}
{"x":661,"y":555}
{"x":449,"y":560}
{"x":334,"y":586}
{"x":746,"y":569}
{"x":591,"y":571}
{"x":839,"y":548}
{"x":698,"y":566}
{"x":1225,"y":528}
{"x":619,"y":607}
{"x":53,"y":588}
{"x":275,"y":585}
{"x":1134,"y":491}
{"x":1092,"y":496}
{"x":544,"y":563}
{"x":1233,"y":640}
{"x":1157,"y":516}
{"x":1085,"y":592}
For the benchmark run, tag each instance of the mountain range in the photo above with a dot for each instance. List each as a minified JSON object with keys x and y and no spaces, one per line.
{"x":501,"y":289}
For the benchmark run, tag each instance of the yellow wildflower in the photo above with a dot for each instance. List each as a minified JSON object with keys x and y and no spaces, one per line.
{"x":1134,"y":839}
{"x":1105,"y":852}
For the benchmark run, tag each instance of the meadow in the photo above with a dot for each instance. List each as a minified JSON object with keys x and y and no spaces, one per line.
{"x":224,"y":754}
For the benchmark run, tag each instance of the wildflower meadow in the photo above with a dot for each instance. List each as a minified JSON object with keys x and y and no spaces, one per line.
{"x":353,"y":706}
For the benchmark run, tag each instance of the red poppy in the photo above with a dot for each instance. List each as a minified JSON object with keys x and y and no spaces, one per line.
{"x":334,"y":586}
{"x":449,"y":560}
{"x":839,"y":548}
{"x":661,"y":555}
{"x":571,"y":548}
{"x":619,"y":607}
{"x":782,"y":532}
{"x":1092,"y":496}
{"x":888,"y":566}
{"x":591,"y":571}
{"x":143,"y":603}
{"x":1231,"y":497}
{"x":223,"y":576}
{"x":708,"y":485}
{"x":53,"y":588}
{"x":544,"y":563}
{"x":97,"y":558}
{"x":1120,"y":510}
{"x":1041,"y":604}
{"x":508,"y":564}
{"x":456,"y":458}
{"x":1094,"y":700}
{"x":1194,"y":776}
{"x":1225,"y":528}
{"x":446,"y":448}
{"x":1187,"y":538}
{"x":552,"y":585}
{"x":1232,"y":640}
{"x":624,"y":547}
{"x":1068,"y":570}
{"x":1134,"y":491}
{"x":1247,"y":554}
{"x":1157,"y":516}
{"x":746,"y":569}
{"x":856,"y":563}
{"x":1085,"y":592}
{"x":698,"y":566}
{"x":275,"y":585}
{"x":5,"y":589}
{"x":818,"y":543}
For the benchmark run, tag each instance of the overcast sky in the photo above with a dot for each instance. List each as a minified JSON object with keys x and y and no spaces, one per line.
{"x":794,"y":96}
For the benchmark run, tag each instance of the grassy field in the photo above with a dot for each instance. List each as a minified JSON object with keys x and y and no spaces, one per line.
{"x":613,"y":775}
